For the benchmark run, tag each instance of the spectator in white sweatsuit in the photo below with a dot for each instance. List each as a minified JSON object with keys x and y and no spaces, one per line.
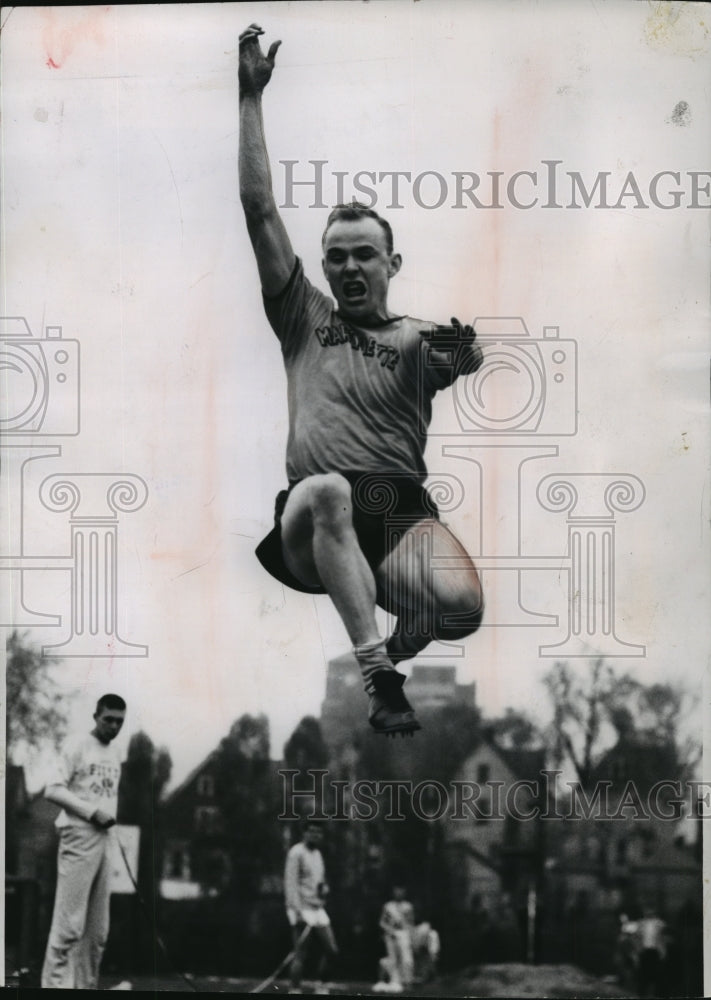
{"x":85,"y":784}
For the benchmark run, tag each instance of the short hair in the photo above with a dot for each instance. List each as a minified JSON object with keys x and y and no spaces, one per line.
{"x":110,"y":701}
{"x":353,"y":213}
{"x":310,"y":822}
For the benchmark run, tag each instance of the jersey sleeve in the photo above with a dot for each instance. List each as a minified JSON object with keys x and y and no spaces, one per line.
{"x":289,"y":311}
{"x":62,"y":766}
{"x":59,"y":779}
{"x":439,"y":370}
{"x":426,"y":369}
{"x":291,"y":882}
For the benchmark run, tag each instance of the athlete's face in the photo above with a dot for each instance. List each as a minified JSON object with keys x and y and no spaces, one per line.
{"x":358,"y":268}
{"x":313,"y":836}
{"x":108,"y":724}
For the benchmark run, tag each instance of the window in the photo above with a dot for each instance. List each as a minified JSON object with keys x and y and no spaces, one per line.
{"x":177,"y":862}
{"x":621,"y":851}
{"x":206,"y":819}
{"x":648,"y":839}
{"x":206,"y":786}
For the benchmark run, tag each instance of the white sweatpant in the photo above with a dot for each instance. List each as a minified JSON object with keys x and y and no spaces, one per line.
{"x":399,"y":946}
{"x":80,"y":922}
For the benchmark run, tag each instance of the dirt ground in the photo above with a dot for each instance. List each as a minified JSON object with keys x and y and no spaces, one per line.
{"x":512,"y":980}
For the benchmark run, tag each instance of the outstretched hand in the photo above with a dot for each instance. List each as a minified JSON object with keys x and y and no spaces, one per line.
{"x":459,"y":341}
{"x":255,"y":69}
{"x":471,"y":359}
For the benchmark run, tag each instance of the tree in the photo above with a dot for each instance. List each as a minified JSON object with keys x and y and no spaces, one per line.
{"x":35,"y":712}
{"x":306,"y":747}
{"x":660,"y":712}
{"x":514,"y":730}
{"x":596,"y":709}
{"x":587,"y":710}
{"x":144,"y":775}
{"x":304,"y":751}
{"x":245,"y":787}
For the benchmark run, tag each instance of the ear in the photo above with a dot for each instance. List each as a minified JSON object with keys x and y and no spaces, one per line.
{"x":323,"y":267}
{"x":394,"y":264}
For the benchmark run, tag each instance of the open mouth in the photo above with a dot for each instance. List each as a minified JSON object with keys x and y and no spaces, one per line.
{"x":354,"y":289}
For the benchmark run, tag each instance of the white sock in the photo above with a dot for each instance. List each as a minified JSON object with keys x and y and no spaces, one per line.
{"x":371,"y":658}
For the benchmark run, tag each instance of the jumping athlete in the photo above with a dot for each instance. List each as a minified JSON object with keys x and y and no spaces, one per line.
{"x":85,"y":784}
{"x":360,"y":387}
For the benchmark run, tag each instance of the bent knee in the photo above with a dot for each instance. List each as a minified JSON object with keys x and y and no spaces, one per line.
{"x":329,"y":494}
{"x":462,"y":616}
{"x":65,"y":937}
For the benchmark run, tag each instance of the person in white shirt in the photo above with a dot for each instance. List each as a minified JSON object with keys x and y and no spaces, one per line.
{"x":426,"y":948}
{"x":397,"y":923}
{"x":305,"y":890}
{"x":652,"y":943}
{"x":85,"y":784}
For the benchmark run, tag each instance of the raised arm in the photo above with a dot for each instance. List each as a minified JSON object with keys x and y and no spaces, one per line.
{"x":272,"y":247}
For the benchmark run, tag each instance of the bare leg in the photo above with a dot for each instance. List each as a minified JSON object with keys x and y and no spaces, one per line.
{"x":321,"y":547}
{"x":297,"y":963}
{"x":431,"y":603}
{"x":328,"y":947}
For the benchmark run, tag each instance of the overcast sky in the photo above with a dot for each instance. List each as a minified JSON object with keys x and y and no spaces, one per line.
{"x":122,"y":224}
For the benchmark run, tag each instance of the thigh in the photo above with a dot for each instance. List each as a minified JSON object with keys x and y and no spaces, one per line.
{"x":325,"y":938}
{"x":100,"y":898}
{"x":298,"y":938}
{"x":77,"y":865}
{"x":429,"y":569}
{"x":297,"y":535}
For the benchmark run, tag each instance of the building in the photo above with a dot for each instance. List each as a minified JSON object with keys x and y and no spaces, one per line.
{"x":436,"y":687}
{"x":195,"y":861}
{"x":345,"y":705}
{"x":198,"y":850}
{"x":566,"y":879}
{"x":220,"y":862}
{"x":493,"y":837}
{"x":638,"y":859}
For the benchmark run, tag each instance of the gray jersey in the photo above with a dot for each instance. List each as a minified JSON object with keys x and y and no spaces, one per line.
{"x":360,"y":398}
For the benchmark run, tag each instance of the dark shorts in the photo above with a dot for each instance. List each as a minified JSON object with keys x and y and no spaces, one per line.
{"x":384,"y":507}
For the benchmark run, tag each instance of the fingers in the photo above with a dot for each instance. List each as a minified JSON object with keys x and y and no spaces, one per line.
{"x":273,"y":48}
{"x":468,"y":331}
{"x":251,"y":33}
